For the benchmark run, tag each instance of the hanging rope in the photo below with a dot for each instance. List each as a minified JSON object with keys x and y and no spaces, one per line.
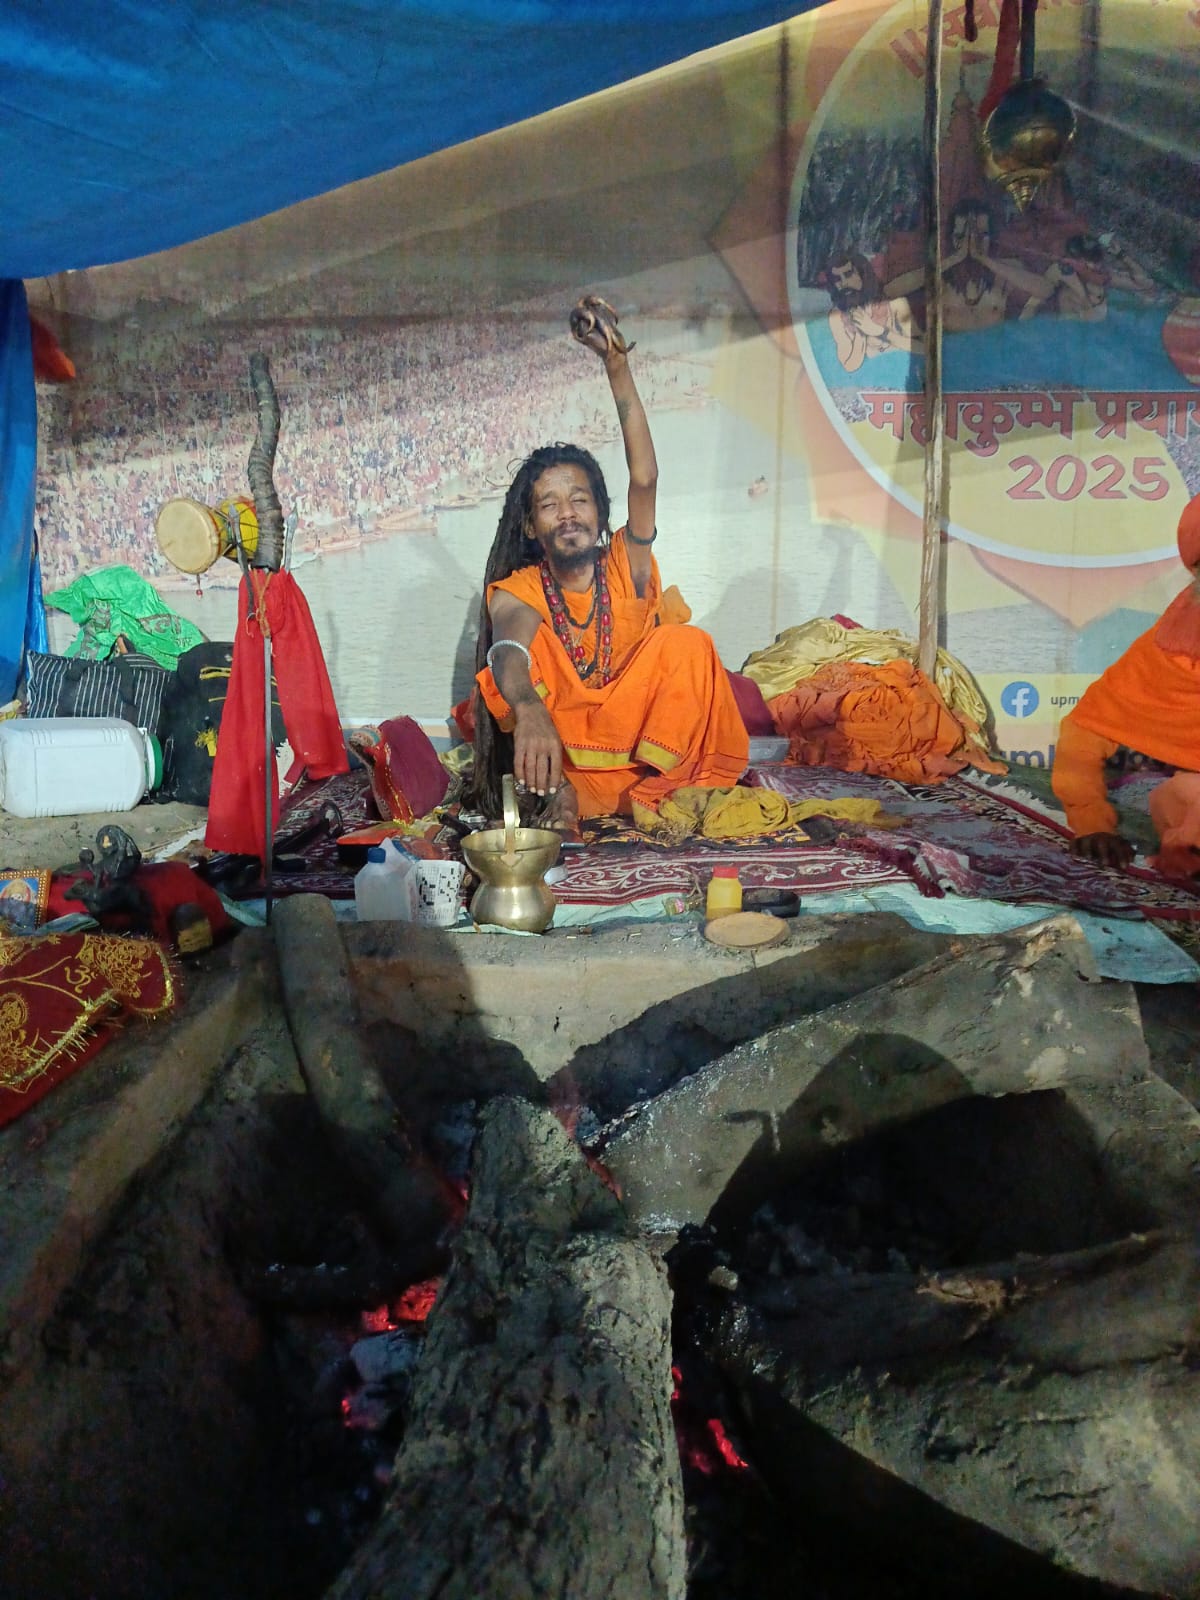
{"x":1004,"y":64}
{"x":935,"y":449}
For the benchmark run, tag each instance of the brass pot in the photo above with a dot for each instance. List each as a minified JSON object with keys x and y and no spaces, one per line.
{"x":511,"y":864}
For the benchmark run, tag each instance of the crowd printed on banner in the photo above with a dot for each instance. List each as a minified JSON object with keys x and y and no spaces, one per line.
{"x":374,"y":424}
{"x":983,"y":418}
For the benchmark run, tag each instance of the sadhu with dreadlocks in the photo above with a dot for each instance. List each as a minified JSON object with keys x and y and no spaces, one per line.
{"x":591,"y":689}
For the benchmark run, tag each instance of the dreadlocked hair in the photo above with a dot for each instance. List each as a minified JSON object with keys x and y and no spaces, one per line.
{"x":512,"y":548}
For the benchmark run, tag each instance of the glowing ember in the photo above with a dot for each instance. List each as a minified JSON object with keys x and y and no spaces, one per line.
{"x":412,"y":1306}
{"x":704,"y":1445}
{"x":725,"y":1445}
{"x":415,"y":1304}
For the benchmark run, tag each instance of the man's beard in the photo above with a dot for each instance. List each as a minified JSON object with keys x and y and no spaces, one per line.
{"x":849,"y":299}
{"x":573,"y":561}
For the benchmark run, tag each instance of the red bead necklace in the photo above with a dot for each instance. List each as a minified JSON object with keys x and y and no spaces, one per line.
{"x":572,"y":635}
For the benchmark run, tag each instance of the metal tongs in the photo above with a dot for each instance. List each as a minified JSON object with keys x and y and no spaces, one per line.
{"x":512,"y":818}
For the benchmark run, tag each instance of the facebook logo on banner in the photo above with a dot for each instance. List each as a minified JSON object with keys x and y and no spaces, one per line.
{"x":1019,"y":699}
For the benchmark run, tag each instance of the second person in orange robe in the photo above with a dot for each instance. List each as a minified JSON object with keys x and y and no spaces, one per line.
{"x":1149,"y":701}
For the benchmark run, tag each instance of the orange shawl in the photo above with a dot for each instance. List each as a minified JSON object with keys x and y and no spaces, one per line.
{"x":633,"y":615}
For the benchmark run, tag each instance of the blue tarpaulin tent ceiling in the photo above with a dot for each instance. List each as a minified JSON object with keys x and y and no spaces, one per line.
{"x":131,"y":126}
{"x":22,"y":618}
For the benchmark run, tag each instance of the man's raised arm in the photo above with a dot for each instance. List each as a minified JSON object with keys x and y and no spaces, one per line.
{"x":594,"y":323}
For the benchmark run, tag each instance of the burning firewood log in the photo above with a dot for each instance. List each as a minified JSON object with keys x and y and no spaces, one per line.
{"x":539,"y":1458}
{"x":1036,"y":1408}
{"x":999,"y":1016}
{"x":409,"y":1199}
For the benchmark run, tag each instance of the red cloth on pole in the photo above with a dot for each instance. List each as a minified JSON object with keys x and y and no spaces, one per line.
{"x":1004,"y":68}
{"x":236,"y":807}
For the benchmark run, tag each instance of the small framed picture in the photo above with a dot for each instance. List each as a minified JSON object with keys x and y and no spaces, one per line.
{"x":24,"y":896}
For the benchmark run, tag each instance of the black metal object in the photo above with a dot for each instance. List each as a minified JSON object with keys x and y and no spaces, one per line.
{"x":107,"y":889}
{"x":1028,"y":40}
{"x":236,"y":872}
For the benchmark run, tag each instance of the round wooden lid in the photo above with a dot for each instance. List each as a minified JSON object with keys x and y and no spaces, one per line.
{"x":746,"y":930}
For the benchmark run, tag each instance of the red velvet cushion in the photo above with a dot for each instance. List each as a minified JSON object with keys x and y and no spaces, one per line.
{"x":751,"y":704}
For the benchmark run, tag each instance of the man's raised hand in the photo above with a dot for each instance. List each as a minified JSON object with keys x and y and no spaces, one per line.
{"x":594,"y":323}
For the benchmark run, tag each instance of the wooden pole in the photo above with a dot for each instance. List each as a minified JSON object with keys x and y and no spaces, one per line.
{"x":931,"y":537}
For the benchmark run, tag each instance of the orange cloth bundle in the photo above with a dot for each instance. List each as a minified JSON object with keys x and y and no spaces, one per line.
{"x":888,"y":720}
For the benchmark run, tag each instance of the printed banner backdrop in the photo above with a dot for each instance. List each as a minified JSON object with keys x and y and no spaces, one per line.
{"x":755,"y":214}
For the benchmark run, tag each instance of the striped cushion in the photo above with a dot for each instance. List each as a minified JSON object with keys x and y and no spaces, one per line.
{"x":129,"y":686}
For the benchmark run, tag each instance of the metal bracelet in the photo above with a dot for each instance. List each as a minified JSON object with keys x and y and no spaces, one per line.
{"x":633,"y":538}
{"x":514,"y":644}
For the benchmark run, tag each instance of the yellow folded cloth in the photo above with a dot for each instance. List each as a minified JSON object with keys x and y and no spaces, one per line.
{"x":798,"y":652}
{"x":742,"y":813}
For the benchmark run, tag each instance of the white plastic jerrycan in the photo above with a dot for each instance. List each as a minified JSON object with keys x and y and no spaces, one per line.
{"x":69,"y":766}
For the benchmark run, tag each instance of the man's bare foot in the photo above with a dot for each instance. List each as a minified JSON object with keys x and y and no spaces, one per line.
{"x":561,"y":810}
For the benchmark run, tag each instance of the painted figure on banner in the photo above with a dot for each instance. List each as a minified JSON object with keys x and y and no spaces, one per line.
{"x":979,"y":287}
{"x":865,"y":319}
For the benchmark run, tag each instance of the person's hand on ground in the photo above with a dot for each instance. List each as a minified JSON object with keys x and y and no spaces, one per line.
{"x":1106,"y":849}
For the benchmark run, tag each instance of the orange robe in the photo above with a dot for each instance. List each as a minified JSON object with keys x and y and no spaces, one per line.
{"x":887,"y":719}
{"x":667,"y":718}
{"x":1148,"y":700}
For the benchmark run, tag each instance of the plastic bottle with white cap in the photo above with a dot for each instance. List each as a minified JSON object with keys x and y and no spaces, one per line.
{"x":383,"y":887}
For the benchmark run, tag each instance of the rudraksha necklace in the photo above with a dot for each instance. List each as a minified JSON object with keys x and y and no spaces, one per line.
{"x":571,"y":635}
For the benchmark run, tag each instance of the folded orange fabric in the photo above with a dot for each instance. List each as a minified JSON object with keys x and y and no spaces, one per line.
{"x":60,"y":995}
{"x":888,"y":720}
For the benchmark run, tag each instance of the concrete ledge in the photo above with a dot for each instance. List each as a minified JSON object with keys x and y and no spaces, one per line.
{"x":66,"y":1164}
{"x":553,"y":997}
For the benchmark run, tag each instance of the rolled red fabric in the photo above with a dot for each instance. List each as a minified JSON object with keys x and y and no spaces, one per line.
{"x":237,"y":803}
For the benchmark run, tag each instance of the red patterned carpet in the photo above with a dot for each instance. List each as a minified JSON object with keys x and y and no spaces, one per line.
{"x":972,"y":836}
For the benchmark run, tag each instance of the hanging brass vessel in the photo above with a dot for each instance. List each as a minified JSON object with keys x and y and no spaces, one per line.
{"x":1026,"y":137}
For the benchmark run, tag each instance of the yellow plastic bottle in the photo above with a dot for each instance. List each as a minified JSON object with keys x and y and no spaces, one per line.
{"x":724,"y":893}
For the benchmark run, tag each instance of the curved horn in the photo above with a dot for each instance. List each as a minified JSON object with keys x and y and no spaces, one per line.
{"x":260,"y":467}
